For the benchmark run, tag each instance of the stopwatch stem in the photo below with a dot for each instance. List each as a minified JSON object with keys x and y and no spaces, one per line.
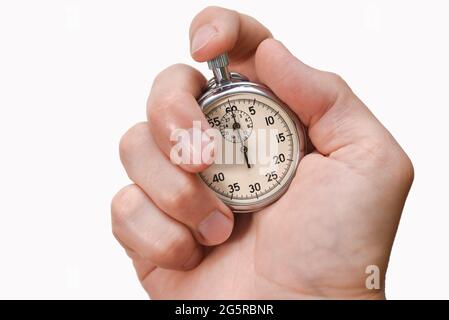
{"x":219,"y":66}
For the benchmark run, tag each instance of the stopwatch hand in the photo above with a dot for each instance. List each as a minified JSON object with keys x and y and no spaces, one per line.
{"x":244,"y":148}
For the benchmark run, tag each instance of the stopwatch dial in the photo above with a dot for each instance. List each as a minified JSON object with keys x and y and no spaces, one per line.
{"x":260,"y":149}
{"x":236,"y":125}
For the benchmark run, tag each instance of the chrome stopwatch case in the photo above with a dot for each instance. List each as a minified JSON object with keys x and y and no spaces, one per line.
{"x":261,"y":141}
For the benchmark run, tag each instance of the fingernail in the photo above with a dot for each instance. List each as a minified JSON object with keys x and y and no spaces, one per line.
{"x":216,"y":228}
{"x":193,"y":260}
{"x":202,"y":36}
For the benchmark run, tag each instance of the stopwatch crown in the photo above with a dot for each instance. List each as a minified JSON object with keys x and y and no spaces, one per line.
{"x":220,"y":61}
{"x":219,"y":66}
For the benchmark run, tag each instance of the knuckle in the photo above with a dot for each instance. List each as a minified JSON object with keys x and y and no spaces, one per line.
{"x":338,"y":87}
{"x":337,"y":80}
{"x":211,"y":11}
{"x":401,"y":167}
{"x":123,"y":206}
{"x":384,"y":153}
{"x":183,"y":193}
{"x":171,"y":247}
{"x":407,"y":170}
{"x":132,"y":139}
{"x":375,"y":152}
{"x":165,"y":105}
{"x":168,"y":71}
{"x":177,"y":67}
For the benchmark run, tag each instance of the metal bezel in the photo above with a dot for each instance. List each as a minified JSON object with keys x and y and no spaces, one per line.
{"x":215,"y":93}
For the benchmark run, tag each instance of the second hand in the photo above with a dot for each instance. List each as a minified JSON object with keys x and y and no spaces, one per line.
{"x":236,"y":126}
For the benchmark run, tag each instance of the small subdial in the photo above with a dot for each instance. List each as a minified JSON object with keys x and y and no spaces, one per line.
{"x":236,"y":126}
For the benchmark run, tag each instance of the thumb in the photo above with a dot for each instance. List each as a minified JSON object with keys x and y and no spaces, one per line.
{"x":322,"y":100}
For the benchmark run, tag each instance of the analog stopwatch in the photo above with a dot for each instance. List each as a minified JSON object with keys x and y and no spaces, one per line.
{"x":261,"y":140}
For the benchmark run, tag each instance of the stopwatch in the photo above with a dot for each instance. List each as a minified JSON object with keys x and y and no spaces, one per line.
{"x":261,"y":140}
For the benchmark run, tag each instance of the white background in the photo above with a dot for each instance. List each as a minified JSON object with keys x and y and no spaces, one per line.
{"x":74,"y":75}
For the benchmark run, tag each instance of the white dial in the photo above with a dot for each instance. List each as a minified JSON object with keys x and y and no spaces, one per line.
{"x":260,"y":149}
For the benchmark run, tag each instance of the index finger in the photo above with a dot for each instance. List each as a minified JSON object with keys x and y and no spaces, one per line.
{"x":218,"y":30}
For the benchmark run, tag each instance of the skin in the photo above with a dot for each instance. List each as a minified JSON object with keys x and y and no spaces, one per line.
{"x":339,"y":215}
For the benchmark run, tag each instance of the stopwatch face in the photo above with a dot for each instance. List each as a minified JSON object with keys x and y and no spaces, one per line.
{"x":259,"y":144}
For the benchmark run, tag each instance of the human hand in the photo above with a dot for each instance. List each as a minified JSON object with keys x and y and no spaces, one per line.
{"x":339,"y":215}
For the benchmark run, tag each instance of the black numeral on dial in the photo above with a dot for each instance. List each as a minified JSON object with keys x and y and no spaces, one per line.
{"x":279,"y":159}
{"x":280,"y":137}
{"x":271,"y":176}
{"x":218,"y":177}
{"x":214,"y":122}
{"x":252,"y":111}
{"x":230,"y":109}
{"x":269,"y":120}
{"x":254,"y":187}
{"x":234,"y":187}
